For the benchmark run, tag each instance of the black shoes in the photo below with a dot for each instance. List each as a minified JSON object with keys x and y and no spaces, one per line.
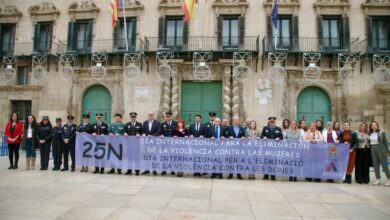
{"x":129,"y":172}
{"x":64,"y":169}
{"x":273,"y":178}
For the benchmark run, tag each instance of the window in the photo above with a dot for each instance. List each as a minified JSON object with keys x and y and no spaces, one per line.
{"x":381,"y":33}
{"x":331,"y":35}
{"x":22,"y":107}
{"x":42,"y":37}
{"x":80,"y":36}
{"x":283,"y":33}
{"x":7,"y":37}
{"x":174,"y":32}
{"x":22,"y":75}
{"x":121,"y":34}
{"x":230,"y":32}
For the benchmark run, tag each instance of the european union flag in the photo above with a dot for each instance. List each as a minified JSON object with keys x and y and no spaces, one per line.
{"x":274,"y":14}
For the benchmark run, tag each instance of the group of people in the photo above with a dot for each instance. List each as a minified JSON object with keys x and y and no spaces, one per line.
{"x":367,"y":146}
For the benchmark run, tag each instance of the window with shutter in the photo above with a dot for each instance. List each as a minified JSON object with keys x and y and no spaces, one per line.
{"x":230,"y":32}
{"x":120,"y":34}
{"x":381,"y":34}
{"x":331,"y":33}
{"x":42,"y":38}
{"x":7,"y":39}
{"x":283,"y":33}
{"x":174,"y":33}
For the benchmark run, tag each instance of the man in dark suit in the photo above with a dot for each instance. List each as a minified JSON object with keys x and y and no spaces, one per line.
{"x":271,"y":132}
{"x":99,"y":128}
{"x":133,"y":128}
{"x":216,"y":132}
{"x":151,"y":127}
{"x":197,"y":129}
{"x":212,"y":116}
{"x":235,"y":131}
{"x":167,"y":129}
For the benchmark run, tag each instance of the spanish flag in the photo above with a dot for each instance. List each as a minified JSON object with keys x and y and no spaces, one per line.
{"x":114,"y":6}
{"x":188,"y":9}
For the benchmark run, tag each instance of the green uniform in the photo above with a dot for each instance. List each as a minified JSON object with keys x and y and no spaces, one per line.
{"x":116,"y":128}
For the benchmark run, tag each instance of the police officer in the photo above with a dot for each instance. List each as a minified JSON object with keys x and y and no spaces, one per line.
{"x":271,"y":132}
{"x":133,"y":128}
{"x":151,"y":127}
{"x":45,"y":138}
{"x":212,"y":116}
{"x":168,"y":128}
{"x":69,"y":138}
{"x":57,"y":144}
{"x":99,"y":128}
{"x":87,"y":128}
{"x":116,"y":128}
{"x":197,"y":129}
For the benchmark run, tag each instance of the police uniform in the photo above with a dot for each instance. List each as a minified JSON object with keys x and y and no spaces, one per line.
{"x":57,"y":145}
{"x":85,"y":128}
{"x":133,"y":128}
{"x":167,"y":129}
{"x":69,"y":132}
{"x":271,"y":132}
{"x":44,"y":134}
{"x":210,"y":124}
{"x":116,"y":128}
{"x":100,"y":128}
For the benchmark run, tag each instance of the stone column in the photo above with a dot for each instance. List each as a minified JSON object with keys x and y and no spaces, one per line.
{"x":227,"y":92}
{"x":175,"y":96}
{"x":236,"y":98}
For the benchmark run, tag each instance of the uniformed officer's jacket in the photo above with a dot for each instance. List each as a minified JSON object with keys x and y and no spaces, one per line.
{"x":133,"y":128}
{"x":44,"y":132}
{"x":86,"y":128}
{"x":69,"y":132}
{"x":168,"y":130}
{"x":56,"y":132}
{"x":116,"y":128}
{"x":101,"y":129}
{"x":272,"y":132}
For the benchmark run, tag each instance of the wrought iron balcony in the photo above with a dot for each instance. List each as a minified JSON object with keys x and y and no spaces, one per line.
{"x":310,"y":44}
{"x":378,"y":46}
{"x":104,"y":46}
{"x":30,"y":48}
{"x":191,"y":44}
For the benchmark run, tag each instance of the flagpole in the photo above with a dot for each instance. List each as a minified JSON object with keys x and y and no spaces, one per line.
{"x":125,"y":25}
{"x":276,"y":37}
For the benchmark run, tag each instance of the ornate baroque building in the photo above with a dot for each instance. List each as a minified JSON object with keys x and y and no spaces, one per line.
{"x":327,"y":59}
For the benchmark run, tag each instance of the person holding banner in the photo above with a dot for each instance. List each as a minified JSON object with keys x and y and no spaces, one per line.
{"x":271,"y":132}
{"x":252,"y":133}
{"x":348,"y":136}
{"x":285,"y":126}
{"x":363,"y":155}
{"x":379,"y":152}
{"x":57,"y":144}
{"x":133,"y":128}
{"x":217,"y":132}
{"x":235,"y":131}
{"x":303,"y":129}
{"x":99,"y":128}
{"x":116,"y":128}
{"x":45,"y":137}
{"x":180,"y":131}
{"x":197,"y":129}
{"x":293,"y":134}
{"x":151,"y":127}
{"x":69,"y":138}
{"x":329,"y":136}
{"x":168,"y":128}
{"x":85,"y":127}
{"x":212,"y":116}
{"x":314,"y":136}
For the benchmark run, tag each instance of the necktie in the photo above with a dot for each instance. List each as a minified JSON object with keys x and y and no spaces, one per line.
{"x":133,"y":124}
{"x":216,"y":132}
{"x":197,"y":127}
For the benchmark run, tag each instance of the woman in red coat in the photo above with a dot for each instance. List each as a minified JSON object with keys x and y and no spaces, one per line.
{"x":13,"y":133}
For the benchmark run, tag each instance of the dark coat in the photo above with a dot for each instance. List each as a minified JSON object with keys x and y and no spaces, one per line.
{"x":100,"y":130}
{"x":201,"y":132}
{"x":270,"y":133}
{"x":155,"y":131}
{"x":88,"y":128}
{"x":353,"y":142}
{"x":168,"y":130}
{"x":133,"y":130}
{"x":230,"y":132}
{"x":212,"y":132}
{"x":35,"y":142}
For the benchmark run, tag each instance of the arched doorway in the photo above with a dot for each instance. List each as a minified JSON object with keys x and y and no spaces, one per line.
{"x":313,"y":104}
{"x":97,"y":99}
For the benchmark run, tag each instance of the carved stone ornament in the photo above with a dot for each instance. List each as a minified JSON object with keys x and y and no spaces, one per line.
{"x":230,"y":7}
{"x":332,"y":6}
{"x":44,"y":12}
{"x":376,"y":7}
{"x":284,"y":6}
{"x":132,"y":8}
{"x":170,"y":7}
{"x":9,"y":14}
{"x":84,"y":10}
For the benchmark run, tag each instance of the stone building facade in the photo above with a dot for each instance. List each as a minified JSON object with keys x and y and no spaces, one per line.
{"x":51,"y":48}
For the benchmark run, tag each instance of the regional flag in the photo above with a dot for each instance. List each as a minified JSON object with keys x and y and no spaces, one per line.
{"x":114,"y":6}
{"x":188,"y":9}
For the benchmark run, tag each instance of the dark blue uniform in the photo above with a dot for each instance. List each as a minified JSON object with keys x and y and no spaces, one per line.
{"x":100,"y":129}
{"x":271,"y":132}
{"x":69,"y":132}
{"x":57,"y":146}
{"x":44,"y":133}
{"x":133,"y":129}
{"x":86,"y":128}
{"x":167,"y":129}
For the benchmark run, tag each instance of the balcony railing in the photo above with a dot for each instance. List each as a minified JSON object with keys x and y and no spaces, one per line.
{"x":29,"y":48}
{"x":311,"y":44}
{"x":377,"y":46}
{"x":105,"y":46}
{"x":250,"y":43}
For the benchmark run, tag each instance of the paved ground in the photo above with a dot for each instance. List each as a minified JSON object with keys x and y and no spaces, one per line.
{"x":58,"y":195}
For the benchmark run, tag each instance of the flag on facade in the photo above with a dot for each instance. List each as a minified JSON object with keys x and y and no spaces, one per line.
{"x":188,"y":9}
{"x":274,"y":14}
{"x":114,"y":6}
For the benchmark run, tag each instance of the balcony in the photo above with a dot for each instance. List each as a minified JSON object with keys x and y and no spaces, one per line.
{"x":379,"y":46}
{"x":192,"y":44}
{"x":311,"y":44}
{"x":29,"y":48}
{"x":104,"y":46}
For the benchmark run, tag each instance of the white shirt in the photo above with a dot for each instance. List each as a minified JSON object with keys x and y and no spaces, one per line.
{"x":29,"y":132}
{"x":325,"y":136}
{"x":374,"y":138}
{"x":150,"y":125}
